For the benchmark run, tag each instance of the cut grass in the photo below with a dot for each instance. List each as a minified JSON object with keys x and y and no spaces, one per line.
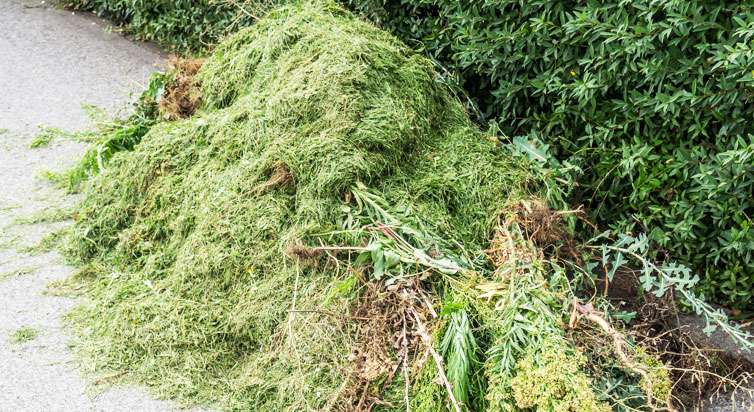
{"x":42,"y":140}
{"x":8,"y":241}
{"x":191,"y":284}
{"x":96,"y":115}
{"x":51,"y":134}
{"x":24,"y":335}
{"x":18,"y":272}
{"x":47,"y":215}
{"x":48,"y":243}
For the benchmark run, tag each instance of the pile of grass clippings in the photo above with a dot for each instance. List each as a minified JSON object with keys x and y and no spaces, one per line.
{"x":313,"y":238}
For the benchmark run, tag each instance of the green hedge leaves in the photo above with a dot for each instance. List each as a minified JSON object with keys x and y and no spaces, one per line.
{"x":649,"y":103}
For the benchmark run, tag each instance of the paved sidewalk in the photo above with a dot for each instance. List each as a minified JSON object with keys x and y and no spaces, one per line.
{"x":51,"y":61}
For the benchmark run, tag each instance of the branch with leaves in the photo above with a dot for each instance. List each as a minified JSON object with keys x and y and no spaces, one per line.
{"x":659,"y":279}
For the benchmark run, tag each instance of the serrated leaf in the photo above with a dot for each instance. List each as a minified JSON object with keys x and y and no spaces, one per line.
{"x":529,"y":148}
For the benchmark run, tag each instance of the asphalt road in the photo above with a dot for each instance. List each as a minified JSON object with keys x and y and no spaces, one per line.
{"x":52,"y":61}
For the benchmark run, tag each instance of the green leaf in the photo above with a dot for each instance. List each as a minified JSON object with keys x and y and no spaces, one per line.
{"x":529,"y":148}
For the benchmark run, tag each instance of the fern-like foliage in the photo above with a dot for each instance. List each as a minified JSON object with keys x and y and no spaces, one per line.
{"x":460,"y":351}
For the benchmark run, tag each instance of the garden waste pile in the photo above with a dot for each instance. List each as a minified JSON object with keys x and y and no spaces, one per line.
{"x":329,"y":231}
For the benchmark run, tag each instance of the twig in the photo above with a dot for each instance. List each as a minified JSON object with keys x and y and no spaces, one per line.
{"x":115,"y":375}
{"x":323,"y":248}
{"x":334,"y":398}
{"x":430,"y":307}
{"x":330,"y":255}
{"x":291,"y":336}
{"x":312,"y":311}
{"x":404,"y":342}
{"x":594,"y":316}
{"x":427,"y":340}
{"x":579,"y":210}
{"x":324,"y":313}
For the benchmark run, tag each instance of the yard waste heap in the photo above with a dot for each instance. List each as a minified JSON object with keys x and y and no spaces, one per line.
{"x":317,"y":237}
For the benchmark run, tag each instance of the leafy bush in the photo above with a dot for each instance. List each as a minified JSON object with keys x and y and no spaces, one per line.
{"x":646,"y":105}
{"x":180,"y":24}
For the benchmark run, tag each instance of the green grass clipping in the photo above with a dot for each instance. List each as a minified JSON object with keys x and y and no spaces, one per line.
{"x":182,"y":241}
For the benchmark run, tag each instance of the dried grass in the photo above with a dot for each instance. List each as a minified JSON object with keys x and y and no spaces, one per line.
{"x":182,"y":95}
{"x":547,"y":228}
